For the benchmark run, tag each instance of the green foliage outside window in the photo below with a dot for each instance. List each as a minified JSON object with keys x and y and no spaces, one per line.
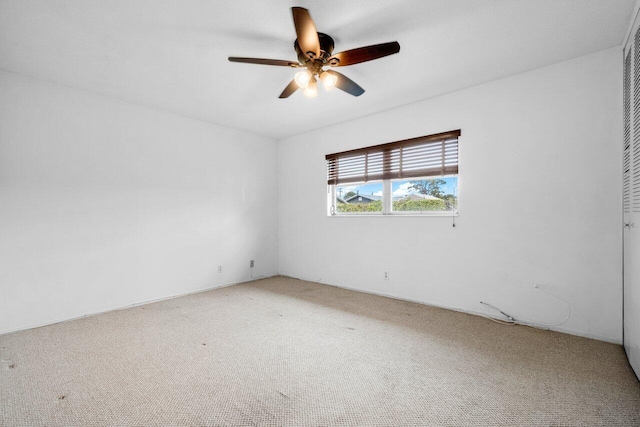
{"x":360,"y":207}
{"x":419,"y":205}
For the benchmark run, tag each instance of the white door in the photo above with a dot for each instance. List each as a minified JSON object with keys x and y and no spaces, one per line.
{"x":631,"y":201}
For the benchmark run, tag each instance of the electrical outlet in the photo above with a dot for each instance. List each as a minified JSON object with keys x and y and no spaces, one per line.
{"x":219,"y":269}
{"x":251,"y":264}
{"x":386,"y":275}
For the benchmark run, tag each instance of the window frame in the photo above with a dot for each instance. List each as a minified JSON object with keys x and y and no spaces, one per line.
{"x":387,"y":201}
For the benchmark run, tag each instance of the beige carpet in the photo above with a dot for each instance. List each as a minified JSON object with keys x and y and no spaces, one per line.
{"x":286,"y":352}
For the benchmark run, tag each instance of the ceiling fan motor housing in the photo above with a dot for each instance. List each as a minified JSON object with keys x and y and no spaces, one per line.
{"x":326,"y":49}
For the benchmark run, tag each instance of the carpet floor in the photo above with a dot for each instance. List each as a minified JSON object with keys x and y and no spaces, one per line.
{"x":285,"y":352}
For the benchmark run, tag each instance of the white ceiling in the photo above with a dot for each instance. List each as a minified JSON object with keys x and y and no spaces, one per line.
{"x":172,"y":54}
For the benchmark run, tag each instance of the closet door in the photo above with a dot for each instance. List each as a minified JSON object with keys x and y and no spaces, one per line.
{"x":631,"y":200}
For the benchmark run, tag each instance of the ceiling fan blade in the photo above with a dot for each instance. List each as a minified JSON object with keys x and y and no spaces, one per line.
{"x":346,"y":84}
{"x":289,"y":90}
{"x":261,"y":61}
{"x":363,"y":54}
{"x":306,"y":32}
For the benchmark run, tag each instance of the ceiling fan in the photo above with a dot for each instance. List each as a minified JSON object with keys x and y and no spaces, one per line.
{"x":315,"y":52}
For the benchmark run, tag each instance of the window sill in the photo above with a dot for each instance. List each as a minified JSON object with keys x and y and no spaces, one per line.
{"x":397,"y":214}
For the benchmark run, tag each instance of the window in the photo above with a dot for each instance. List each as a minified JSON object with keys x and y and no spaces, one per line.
{"x":417,"y":176}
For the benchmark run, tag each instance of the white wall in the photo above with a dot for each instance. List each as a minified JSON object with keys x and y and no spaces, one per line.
{"x":540,"y":202}
{"x":104,"y":204}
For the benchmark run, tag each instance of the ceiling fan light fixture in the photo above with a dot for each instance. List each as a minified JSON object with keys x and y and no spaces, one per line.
{"x":311,"y":90}
{"x":328,"y":80}
{"x":315,"y":52}
{"x":303,"y":78}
